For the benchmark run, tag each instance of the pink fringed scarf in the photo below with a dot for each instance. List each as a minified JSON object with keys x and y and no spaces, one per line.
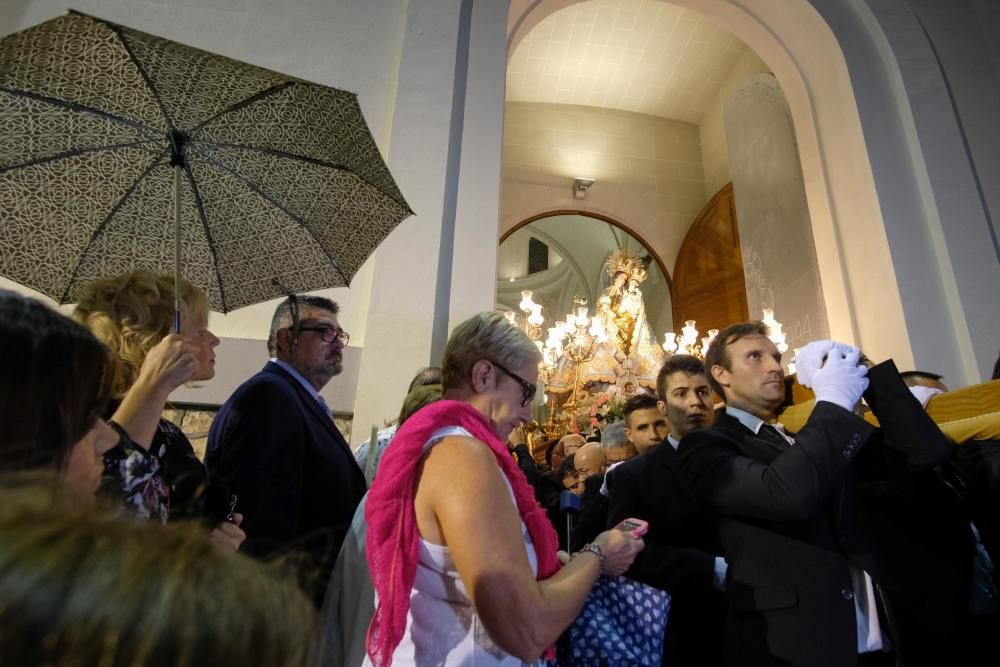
{"x":391,"y":542}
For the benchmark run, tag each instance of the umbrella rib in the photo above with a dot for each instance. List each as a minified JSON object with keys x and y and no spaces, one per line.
{"x":72,"y":153}
{"x":281,"y":207}
{"x":117,"y":29}
{"x":200,"y":205}
{"x":83,"y":108}
{"x":242,"y":104}
{"x":107,"y":219}
{"x":303,"y":158}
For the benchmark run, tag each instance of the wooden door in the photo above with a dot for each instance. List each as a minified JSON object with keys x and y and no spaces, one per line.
{"x":709,"y":286}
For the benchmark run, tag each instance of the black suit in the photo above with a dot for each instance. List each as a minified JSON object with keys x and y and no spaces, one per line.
{"x":679,"y":556}
{"x":294,"y":476}
{"x":793,"y":518}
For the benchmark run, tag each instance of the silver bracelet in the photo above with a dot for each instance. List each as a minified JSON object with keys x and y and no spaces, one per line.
{"x":592,"y":547}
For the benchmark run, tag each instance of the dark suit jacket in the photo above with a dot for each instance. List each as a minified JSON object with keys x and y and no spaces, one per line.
{"x":679,"y":556}
{"x":792,"y":519}
{"x":296,"y":481}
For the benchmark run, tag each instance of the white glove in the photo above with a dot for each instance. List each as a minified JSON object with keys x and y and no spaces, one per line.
{"x":841,"y":380}
{"x":719,"y":574}
{"x":924,"y":394}
{"x":810,"y":359}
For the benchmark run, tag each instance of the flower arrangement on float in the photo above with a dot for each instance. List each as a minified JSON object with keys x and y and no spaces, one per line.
{"x":607,"y":408}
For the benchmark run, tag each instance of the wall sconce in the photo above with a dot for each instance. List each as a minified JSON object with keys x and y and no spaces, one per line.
{"x":580,"y":187}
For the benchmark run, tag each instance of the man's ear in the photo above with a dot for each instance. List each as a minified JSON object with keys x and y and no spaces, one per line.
{"x":283,"y":340}
{"x":721,"y":375}
{"x":662,"y":407}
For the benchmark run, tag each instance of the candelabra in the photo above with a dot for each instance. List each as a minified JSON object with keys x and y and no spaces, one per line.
{"x":533,"y":319}
{"x":774,"y":330}
{"x":791,"y":370}
{"x":573,"y":340}
{"x":687,"y":341}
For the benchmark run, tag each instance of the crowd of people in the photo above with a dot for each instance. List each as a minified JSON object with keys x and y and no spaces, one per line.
{"x":441,"y":540}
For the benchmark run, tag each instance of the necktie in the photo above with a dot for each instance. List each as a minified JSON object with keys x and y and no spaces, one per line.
{"x":772,"y":435}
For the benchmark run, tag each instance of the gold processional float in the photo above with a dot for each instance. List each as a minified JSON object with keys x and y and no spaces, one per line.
{"x":593,"y":363}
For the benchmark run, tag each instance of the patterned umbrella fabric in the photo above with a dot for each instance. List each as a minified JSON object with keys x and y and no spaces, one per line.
{"x":282,"y":182}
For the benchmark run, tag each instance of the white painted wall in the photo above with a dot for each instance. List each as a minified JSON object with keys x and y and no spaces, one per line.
{"x":779,"y":254}
{"x":929,"y":107}
{"x":439,"y":267}
{"x":647,"y":170}
{"x":712,"y":129}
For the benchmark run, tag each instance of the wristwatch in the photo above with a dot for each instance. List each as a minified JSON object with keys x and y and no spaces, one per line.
{"x":596,"y":550}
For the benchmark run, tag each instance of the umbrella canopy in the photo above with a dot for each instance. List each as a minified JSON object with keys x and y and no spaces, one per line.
{"x":281,"y":180}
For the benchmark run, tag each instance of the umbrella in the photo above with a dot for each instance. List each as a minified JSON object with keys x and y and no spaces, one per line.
{"x":120,"y":149}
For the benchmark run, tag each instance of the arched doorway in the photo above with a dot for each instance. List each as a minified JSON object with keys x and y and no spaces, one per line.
{"x":849,"y":232}
{"x":571,"y":248}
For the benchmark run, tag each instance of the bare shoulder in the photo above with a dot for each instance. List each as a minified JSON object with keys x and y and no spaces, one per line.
{"x":462,"y":449}
{"x":459,"y":453}
{"x":462,"y":461}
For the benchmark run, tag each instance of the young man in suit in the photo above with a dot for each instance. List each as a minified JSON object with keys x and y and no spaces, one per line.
{"x":811,"y":581}
{"x":645,"y":424}
{"x":681,"y":555}
{"x":275,"y":447}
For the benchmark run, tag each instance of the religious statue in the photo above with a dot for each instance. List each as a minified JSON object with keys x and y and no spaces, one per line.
{"x":621,"y":307}
{"x":627,"y":360}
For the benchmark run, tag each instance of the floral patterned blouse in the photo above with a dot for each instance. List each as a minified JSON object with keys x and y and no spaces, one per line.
{"x":166,"y":482}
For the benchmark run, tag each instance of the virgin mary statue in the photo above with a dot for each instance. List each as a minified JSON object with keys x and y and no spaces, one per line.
{"x":621,"y":307}
{"x":631,"y":358}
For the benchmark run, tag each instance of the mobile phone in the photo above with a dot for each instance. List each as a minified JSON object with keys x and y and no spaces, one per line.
{"x":634,"y":527}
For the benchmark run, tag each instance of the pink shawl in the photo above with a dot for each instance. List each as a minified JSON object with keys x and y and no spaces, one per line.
{"x":391,"y":542}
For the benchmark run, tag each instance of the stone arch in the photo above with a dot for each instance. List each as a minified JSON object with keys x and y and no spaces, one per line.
{"x":614,"y":222}
{"x":659,"y":302}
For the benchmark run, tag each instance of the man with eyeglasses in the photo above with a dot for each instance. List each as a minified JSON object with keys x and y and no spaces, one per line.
{"x":274,"y":445}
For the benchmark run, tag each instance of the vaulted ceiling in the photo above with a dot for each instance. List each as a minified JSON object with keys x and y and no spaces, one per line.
{"x":646,"y":56}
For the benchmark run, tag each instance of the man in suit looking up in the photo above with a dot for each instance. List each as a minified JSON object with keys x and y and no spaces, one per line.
{"x":275,"y":447}
{"x":810,"y":580}
{"x":681,"y":555}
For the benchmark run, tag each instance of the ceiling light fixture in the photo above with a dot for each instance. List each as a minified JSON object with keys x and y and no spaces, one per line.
{"x":580,"y":186}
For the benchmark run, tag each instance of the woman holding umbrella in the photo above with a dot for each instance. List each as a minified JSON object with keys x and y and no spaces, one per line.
{"x":133,"y":315}
{"x":462,"y":557}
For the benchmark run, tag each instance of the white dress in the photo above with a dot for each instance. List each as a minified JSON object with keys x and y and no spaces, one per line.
{"x":442,"y":627}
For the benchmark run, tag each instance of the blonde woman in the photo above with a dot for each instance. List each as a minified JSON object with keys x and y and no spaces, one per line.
{"x":133,"y":314}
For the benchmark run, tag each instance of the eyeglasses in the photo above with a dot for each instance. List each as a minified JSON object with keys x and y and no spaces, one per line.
{"x":329,"y":334}
{"x":527,"y":389}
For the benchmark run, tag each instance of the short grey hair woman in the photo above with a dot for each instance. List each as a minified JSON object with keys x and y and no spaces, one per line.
{"x":462,"y":557}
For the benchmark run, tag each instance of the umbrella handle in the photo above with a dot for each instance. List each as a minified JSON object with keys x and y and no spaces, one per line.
{"x":177,"y":248}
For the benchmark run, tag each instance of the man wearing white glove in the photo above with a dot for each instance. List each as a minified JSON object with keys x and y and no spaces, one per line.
{"x":831,"y":370}
{"x":792,"y":524}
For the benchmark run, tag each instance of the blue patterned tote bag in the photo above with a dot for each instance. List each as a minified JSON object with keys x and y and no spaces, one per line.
{"x":621,"y":625}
